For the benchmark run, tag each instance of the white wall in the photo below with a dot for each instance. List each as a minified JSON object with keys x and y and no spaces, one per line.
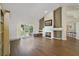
{"x":19,"y":17}
{"x":69,"y":17}
{"x":66,"y":19}
{"x":49,"y":16}
{"x":77,"y":30}
{"x":15,"y":21}
{"x":50,"y":28}
{"x":64,"y":23}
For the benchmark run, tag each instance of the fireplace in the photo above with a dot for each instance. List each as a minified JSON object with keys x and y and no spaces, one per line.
{"x":48,"y":34}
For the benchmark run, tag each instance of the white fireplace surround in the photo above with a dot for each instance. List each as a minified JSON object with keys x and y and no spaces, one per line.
{"x":48,"y":29}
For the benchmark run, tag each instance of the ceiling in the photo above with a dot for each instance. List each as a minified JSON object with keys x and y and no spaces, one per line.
{"x":32,"y":11}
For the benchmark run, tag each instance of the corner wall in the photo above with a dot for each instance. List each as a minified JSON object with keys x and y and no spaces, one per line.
{"x":69,"y":16}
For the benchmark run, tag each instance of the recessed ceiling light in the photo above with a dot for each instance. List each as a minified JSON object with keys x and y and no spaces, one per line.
{"x":45,"y":11}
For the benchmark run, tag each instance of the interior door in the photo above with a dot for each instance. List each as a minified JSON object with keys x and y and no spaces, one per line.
{"x":1,"y":32}
{"x":6,"y":41}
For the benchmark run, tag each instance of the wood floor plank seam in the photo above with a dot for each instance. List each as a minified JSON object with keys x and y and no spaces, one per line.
{"x":39,"y":46}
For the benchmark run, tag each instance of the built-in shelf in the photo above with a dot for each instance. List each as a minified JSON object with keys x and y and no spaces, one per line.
{"x":57,"y":30}
{"x":57,"y":34}
{"x":41,"y":24}
{"x":58,"y":18}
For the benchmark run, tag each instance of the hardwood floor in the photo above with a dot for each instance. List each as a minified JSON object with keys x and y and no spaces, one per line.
{"x":39,"y":46}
